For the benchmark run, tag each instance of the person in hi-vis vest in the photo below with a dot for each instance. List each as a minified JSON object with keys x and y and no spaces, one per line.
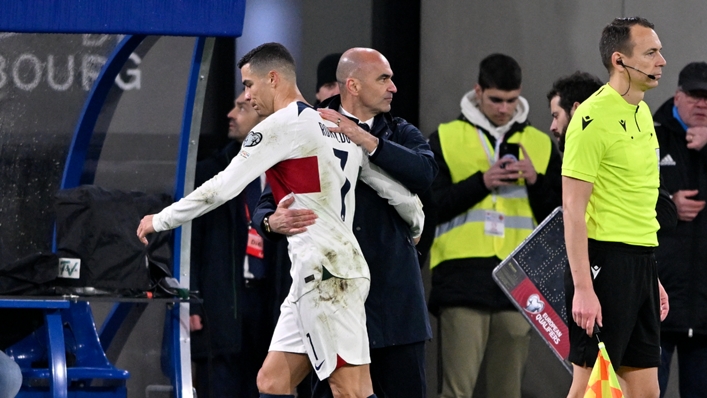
{"x":498,"y":178}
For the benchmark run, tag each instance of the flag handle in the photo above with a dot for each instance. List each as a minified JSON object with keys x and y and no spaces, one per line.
{"x":596,"y":332}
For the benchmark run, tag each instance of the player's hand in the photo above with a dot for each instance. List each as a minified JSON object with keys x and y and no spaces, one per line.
{"x":664,"y":302}
{"x":696,"y":137}
{"x":288,"y":221}
{"x":586,"y":310}
{"x":145,"y":228}
{"x":356,"y":134}
{"x":687,"y":208}
{"x":524,"y":167}
{"x":495,"y":176}
{"x":195,"y":323}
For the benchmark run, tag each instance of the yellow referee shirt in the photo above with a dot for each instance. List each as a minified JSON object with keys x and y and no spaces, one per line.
{"x":612,"y":144}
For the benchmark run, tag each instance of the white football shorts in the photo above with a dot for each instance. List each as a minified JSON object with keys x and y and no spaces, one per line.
{"x":327,"y":323}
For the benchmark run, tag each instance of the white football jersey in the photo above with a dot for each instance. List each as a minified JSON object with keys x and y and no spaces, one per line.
{"x":300,"y":156}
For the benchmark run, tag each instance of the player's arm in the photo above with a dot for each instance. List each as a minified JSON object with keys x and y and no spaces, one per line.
{"x":586,"y":310}
{"x":213,"y":193}
{"x":406,"y":203}
{"x":408,"y":159}
{"x":245,"y":167}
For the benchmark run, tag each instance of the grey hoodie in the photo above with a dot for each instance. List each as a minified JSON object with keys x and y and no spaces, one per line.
{"x":470,"y":110}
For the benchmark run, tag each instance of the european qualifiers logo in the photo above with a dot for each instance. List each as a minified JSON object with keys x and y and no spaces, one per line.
{"x":534,"y":305}
{"x":70,"y":268}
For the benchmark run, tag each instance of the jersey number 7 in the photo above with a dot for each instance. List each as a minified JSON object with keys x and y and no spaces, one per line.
{"x":343,"y":158}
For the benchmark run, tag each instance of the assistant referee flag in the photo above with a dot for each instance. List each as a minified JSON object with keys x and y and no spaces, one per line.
{"x":603,"y":382}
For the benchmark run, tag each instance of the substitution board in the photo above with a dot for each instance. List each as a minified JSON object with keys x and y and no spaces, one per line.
{"x":533,"y":279}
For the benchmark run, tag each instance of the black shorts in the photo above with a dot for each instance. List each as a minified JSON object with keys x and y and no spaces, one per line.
{"x":627,"y":288}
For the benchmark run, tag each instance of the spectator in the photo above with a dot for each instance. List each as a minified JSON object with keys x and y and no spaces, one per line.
{"x":565,"y":96}
{"x":487,"y":205}
{"x":327,"y":86}
{"x":681,"y":127}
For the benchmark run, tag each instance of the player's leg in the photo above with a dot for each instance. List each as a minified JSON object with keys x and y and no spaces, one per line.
{"x":464,"y":334}
{"x":286,"y":364}
{"x":639,"y":382}
{"x":333,"y":328}
{"x":506,"y":353}
{"x":580,"y":379}
{"x":282,"y":372}
{"x":639,"y":366}
{"x":351,"y":381}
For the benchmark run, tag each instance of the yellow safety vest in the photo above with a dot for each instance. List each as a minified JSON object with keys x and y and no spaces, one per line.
{"x":464,"y":153}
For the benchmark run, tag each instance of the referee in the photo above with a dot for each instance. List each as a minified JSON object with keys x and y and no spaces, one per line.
{"x":610,"y":187}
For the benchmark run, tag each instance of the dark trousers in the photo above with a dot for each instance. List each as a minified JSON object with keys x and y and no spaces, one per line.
{"x":692,"y":363}
{"x":396,"y":372}
{"x":230,"y":376}
{"x":234,"y":375}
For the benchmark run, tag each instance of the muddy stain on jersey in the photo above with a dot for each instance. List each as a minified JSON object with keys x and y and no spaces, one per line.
{"x":331,"y":256}
{"x":333,"y":290}
{"x":208,"y":196}
{"x":325,"y":185}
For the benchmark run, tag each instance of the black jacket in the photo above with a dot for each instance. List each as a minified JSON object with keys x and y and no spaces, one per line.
{"x":468,"y":281}
{"x":682,"y":252}
{"x":395,"y":308}
{"x":217,"y":254}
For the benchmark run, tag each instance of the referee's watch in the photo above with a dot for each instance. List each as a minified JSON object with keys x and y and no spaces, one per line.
{"x":266,"y":224}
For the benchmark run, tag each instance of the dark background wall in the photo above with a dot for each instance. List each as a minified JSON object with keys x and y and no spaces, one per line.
{"x":548,"y":38}
{"x":434,"y":47}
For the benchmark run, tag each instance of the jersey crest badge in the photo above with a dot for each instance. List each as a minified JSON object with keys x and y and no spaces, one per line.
{"x":252,"y":139}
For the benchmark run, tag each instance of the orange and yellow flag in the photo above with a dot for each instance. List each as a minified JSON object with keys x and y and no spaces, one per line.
{"x":603,"y":382}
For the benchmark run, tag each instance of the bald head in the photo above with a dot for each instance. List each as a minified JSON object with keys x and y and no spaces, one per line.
{"x":356,"y":61}
{"x":365,"y":82}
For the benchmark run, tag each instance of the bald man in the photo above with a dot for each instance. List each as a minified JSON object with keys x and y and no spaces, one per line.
{"x":396,"y":315}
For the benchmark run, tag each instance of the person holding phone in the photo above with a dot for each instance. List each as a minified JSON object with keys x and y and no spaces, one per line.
{"x":498,"y":178}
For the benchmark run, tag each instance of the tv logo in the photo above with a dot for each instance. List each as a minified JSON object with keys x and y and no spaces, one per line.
{"x":70,"y":268}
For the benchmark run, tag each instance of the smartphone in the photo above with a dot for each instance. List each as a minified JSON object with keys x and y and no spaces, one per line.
{"x":511,"y":151}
